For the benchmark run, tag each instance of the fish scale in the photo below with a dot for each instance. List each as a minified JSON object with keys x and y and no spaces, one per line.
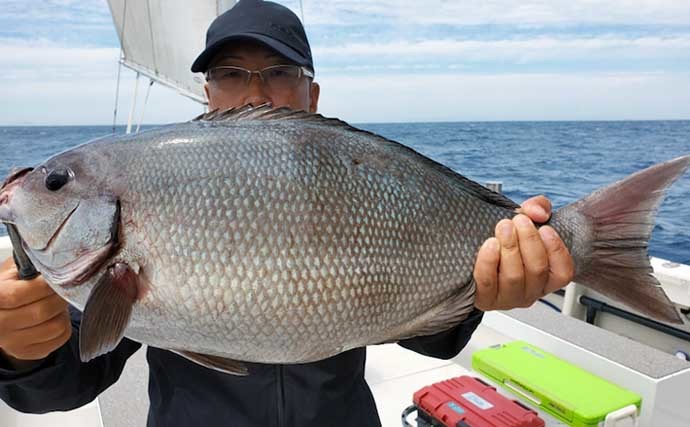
{"x":371,"y":253}
{"x":267,"y":235}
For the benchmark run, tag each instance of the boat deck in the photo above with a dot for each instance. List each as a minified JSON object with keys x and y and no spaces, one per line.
{"x":394,"y":373}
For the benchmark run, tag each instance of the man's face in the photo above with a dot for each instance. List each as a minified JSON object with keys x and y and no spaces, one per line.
{"x":254,"y":56}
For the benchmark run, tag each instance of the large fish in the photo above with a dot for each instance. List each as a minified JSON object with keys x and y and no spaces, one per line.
{"x":274,"y":236}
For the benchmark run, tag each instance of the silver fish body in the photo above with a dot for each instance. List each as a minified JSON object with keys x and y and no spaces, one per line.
{"x":275,"y":239}
{"x":263,"y":242}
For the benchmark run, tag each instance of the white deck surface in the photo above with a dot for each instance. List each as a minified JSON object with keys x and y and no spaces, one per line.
{"x":86,"y":416}
{"x":393,"y":374}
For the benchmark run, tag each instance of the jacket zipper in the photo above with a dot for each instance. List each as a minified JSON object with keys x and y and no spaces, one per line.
{"x":280,"y":395}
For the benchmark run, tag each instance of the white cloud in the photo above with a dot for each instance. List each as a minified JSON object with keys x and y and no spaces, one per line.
{"x":85,"y":11}
{"x":386,"y":98}
{"x":518,"y":50}
{"x":44,"y":59}
{"x":89,"y":102}
{"x":47,"y":83}
{"x":477,"y":12}
{"x":57,"y":82}
{"x":40,"y":58}
{"x":454,"y":12}
{"x":543,"y":96}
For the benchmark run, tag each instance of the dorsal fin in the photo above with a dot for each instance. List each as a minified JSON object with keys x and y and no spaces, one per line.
{"x":268,"y":112}
{"x":261,"y":112}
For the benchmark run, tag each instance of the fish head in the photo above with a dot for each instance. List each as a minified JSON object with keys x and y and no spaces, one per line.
{"x":67,"y":222}
{"x":37,"y":211}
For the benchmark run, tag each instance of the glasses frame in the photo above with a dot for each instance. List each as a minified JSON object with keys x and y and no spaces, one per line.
{"x":303,"y":71}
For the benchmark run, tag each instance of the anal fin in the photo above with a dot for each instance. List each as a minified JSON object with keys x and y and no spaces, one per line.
{"x":217,"y":363}
{"x":107,"y":311}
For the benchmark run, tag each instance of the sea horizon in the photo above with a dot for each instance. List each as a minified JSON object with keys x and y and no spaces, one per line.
{"x":120,"y":125}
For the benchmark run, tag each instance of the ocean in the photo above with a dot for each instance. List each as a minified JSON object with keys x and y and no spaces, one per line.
{"x":562,"y":160}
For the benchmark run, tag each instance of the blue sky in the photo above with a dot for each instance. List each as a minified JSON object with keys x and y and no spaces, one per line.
{"x":388,"y":61}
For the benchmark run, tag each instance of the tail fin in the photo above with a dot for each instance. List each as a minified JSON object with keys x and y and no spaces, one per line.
{"x":610,"y":231}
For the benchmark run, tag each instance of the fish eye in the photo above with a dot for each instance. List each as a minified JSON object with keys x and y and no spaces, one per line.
{"x":57,"y":178}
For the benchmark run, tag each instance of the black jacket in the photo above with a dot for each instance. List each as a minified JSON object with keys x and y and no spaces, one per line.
{"x":330,"y":392}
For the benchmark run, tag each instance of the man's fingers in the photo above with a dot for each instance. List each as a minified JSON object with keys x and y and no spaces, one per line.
{"x":511,"y":280}
{"x":534,"y":259}
{"x":7,"y":263}
{"x":537,"y":208}
{"x":9,"y":273}
{"x":485,"y":274}
{"x":41,"y":350}
{"x":561,"y":267}
{"x":16,"y":293}
{"x":44,"y":332}
{"x":33,"y":314}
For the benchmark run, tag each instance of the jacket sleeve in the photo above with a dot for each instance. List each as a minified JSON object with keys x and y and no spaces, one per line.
{"x":446,"y":344}
{"x":62,"y":381}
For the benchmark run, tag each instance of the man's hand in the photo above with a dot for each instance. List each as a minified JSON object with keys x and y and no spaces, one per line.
{"x":521,"y":264}
{"x":34,"y":320}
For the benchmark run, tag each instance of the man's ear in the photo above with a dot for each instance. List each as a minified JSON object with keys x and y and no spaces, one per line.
{"x":208,"y":97}
{"x":314,"y":91}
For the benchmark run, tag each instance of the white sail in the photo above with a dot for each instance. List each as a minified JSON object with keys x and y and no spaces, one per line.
{"x":161,"y":38}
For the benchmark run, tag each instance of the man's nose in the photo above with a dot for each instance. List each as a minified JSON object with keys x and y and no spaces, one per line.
{"x":257,"y":92}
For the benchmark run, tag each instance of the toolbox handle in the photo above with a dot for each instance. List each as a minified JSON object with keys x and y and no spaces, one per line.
{"x":410,"y":409}
{"x":613,"y":418}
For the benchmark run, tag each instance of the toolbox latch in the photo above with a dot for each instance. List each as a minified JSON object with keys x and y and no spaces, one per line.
{"x":624,"y":417}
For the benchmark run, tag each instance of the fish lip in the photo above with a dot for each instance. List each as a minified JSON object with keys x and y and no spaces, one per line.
{"x":14,"y":176}
{"x":6,"y":214}
{"x":81,"y":269}
{"x":6,"y":189}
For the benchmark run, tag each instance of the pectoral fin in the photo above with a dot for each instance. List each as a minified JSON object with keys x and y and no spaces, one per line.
{"x":107,"y":311}
{"x":221,"y":364}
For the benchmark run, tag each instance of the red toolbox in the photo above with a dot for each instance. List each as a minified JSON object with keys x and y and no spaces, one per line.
{"x":468,"y":402}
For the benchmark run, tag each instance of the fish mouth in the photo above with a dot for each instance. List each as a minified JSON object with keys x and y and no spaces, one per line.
{"x":76,"y":272}
{"x":13,"y":180}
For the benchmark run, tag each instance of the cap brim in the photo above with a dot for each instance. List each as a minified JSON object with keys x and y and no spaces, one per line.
{"x":202,"y":62}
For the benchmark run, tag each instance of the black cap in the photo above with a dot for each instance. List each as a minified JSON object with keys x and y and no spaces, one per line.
{"x":266,"y":22}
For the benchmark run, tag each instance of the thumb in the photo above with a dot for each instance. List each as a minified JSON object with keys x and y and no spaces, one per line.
{"x":537,"y":208}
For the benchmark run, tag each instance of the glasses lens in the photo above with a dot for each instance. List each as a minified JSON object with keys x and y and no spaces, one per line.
{"x":228,"y":77}
{"x":281,"y":76}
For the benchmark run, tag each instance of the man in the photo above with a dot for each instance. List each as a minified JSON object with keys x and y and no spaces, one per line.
{"x":256,"y":53}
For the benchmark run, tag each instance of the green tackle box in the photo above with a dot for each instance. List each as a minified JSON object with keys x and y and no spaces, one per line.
{"x":569,"y":393}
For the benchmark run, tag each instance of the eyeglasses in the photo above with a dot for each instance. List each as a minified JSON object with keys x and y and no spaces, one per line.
{"x":276,"y":77}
